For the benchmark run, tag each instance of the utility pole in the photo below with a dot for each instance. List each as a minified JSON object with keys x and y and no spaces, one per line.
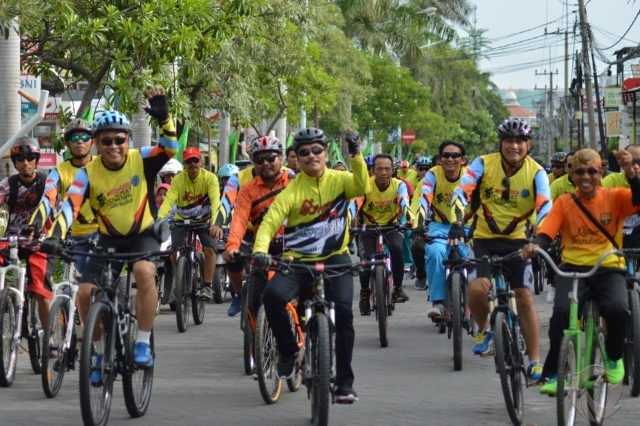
{"x":603,"y":140}
{"x":584,"y":33}
{"x":550,"y":123}
{"x":565,"y":127}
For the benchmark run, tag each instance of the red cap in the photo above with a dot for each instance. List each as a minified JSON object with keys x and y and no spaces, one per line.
{"x":190,"y":152}
{"x":404,"y":163}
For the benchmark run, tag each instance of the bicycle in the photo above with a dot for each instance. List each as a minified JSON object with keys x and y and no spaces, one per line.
{"x":632,"y":339}
{"x":164,"y":275}
{"x":318,"y":364}
{"x":582,"y":352}
{"x":188,"y":276}
{"x":381,"y":278}
{"x":18,"y":316}
{"x":221,"y":283}
{"x":108,"y":338}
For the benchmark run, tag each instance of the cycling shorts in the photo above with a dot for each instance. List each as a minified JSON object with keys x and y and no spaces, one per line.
{"x":514,"y":270}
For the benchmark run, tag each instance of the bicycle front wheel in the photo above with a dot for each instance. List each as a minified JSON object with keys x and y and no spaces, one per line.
{"x":33,"y":333}
{"x":181,"y":284}
{"x":97,"y":369}
{"x":197,"y":278}
{"x":508,"y":368}
{"x":219,"y":277}
{"x":381,"y":291}
{"x":8,"y":347}
{"x":597,"y":387}
{"x":136,"y":382}
{"x":54,"y":358}
{"x":632,"y":344}
{"x":247,"y":330}
{"x":266,"y":360}
{"x":568,"y":387}
{"x":320,"y":361}
{"x":456,"y":308}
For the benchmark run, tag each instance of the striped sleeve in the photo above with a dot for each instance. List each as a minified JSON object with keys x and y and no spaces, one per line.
{"x":69,"y":211}
{"x":48,"y":200}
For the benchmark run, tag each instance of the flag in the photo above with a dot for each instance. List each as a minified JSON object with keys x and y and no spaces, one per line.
{"x":233,"y":146}
{"x":367,"y":150}
{"x":289,"y":141}
{"x":88,"y":115}
{"x":182,"y":141}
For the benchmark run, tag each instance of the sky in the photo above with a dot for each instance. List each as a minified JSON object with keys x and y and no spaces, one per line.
{"x":518,"y":46}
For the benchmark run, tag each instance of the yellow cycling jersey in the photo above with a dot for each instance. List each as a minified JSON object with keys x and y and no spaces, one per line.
{"x":194,"y":199}
{"x":561,"y":185}
{"x":385,"y":207}
{"x":85,"y":223}
{"x":314,"y":211}
{"x":245,"y":175}
{"x":411,"y":175}
{"x":435,"y":194}
{"x":551,"y":177}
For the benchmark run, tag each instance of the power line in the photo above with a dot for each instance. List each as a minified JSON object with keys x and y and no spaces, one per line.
{"x":625,"y":33}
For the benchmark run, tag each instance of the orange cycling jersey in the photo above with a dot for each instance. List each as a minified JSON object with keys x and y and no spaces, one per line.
{"x":252,"y":203}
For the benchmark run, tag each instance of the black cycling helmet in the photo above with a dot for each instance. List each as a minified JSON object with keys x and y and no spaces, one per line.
{"x":25,"y":145}
{"x":514,"y":127}
{"x":77,"y":125}
{"x":307,"y":136}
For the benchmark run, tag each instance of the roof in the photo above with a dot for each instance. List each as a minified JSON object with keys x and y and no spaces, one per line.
{"x":519,"y":111}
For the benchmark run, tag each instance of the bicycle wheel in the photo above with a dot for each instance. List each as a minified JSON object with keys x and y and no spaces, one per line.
{"x":456,"y":308}
{"x":597,"y":387}
{"x":568,"y":387}
{"x":9,"y":347}
{"x":507,"y":366}
{"x":34,"y":334}
{"x":632,"y":344}
{"x":320,"y":361}
{"x":54,"y":359}
{"x":197,"y":305}
{"x":167,"y":282}
{"x":181,"y":283}
{"x":136,"y":382}
{"x":266,"y":360}
{"x":245,"y":322}
{"x":381,"y":303}
{"x":97,"y":369}
{"x":294,"y":383}
{"x":218,"y":283}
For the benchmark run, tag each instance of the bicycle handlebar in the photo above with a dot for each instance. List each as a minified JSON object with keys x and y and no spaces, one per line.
{"x":67,"y":254}
{"x":578,"y":275}
{"x":377,"y":229}
{"x":187,"y":224}
{"x":484,"y":260}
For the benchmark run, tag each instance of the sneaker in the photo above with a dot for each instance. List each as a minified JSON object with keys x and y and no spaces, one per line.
{"x":287,"y":367}
{"x":205,"y":294}
{"x":550,"y":386}
{"x":436,"y":312}
{"x":534,"y":371}
{"x":399,"y":296}
{"x":420,"y":283}
{"x":614,"y":370}
{"x":142,"y":354}
{"x":345,"y":395}
{"x":484,"y":343}
{"x":235,"y":306}
{"x":365,"y":302}
{"x":96,"y":374}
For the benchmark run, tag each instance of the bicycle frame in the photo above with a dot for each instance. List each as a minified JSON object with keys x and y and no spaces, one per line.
{"x":68,"y":289}
{"x":17,"y":290}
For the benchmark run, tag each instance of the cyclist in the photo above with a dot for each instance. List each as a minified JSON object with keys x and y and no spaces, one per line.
{"x":78,"y":140}
{"x":437,"y":188}
{"x":340,"y":166}
{"x":118,"y":183}
{"x":315,"y":207}
{"x":169,"y":171}
{"x":423,"y":164}
{"x":583,"y":242}
{"x":558,"y":166}
{"x":384,"y":203}
{"x":196,"y":194}
{"x":511,"y":186}
{"x":563,"y":184}
{"x":22,"y":192}
{"x":225,"y":173}
{"x":252,"y":204}
{"x":407,"y":173}
{"x":292,"y":160}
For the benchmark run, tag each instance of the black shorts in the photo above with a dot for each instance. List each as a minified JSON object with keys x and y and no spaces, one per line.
{"x":513,"y":270}
{"x":135,"y":244}
{"x":178,"y":235}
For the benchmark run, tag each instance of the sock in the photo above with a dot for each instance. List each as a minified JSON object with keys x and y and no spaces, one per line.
{"x":143,"y":336}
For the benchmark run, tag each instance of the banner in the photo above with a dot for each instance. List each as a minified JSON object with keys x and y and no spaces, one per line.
{"x":233,"y":145}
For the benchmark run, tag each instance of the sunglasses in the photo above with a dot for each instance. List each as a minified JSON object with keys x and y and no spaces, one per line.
{"x":110,"y":141}
{"x":192,"y":160}
{"x":28,"y":157}
{"x":266,"y":159}
{"x":636,"y":161}
{"x":304,"y":152}
{"x":580,"y":171}
{"x":423,"y":169}
{"x":506,"y":182}
{"x":453,"y":155}
{"x":77,"y":138}
{"x":557,"y":165}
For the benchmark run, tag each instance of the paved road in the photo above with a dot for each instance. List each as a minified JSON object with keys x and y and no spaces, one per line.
{"x":199,"y":379}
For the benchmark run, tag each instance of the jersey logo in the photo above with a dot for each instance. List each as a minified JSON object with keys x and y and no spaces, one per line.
{"x":525,"y":193}
{"x":605,"y":218}
{"x":135,"y":180}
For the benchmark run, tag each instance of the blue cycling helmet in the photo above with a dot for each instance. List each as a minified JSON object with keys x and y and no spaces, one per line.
{"x":423,"y":161}
{"x":369,"y":160}
{"x":227,"y":170}
{"x":111,"y":120}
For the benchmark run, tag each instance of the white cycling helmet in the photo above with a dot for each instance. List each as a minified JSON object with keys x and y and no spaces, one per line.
{"x":171,"y":167}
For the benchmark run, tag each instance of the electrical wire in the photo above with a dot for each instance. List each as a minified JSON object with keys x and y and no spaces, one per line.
{"x":625,"y":33}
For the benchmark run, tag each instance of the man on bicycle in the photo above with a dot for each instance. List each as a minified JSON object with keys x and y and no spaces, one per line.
{"x":252,"y":204}
{"x":558,"y":166}
{"x":78,"y":140}
{"x":315,"y":207}
{"x":385,"y":202}
{"x":196,"y":194}
{"x":511,"y":186}
{"x":118,"y":184}
{"x":583,"y":242}
{"x":435,"y":201}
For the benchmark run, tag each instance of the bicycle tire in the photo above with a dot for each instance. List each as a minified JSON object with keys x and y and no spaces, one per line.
{"x":8,"y":347}
{"x":183,"y":300}
{"x":568,"y":388}
{"x":137,"y":383}
{"x":247,"y":343}
{"x":167,"y":287}
{"x":218,"y":283}
{"x":54,"y":367}
{"x":197,"y":306}
{"x":381,"y":292}
{"x":456,"y":308}
{"x":632,"y":344}
{"x":320,"y":369}
{"x":34,"y":341}
{"x":506,"y":364}
{"x":95,"y":399}
{"x":269,"y":383}
{"x":598,"y":390}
